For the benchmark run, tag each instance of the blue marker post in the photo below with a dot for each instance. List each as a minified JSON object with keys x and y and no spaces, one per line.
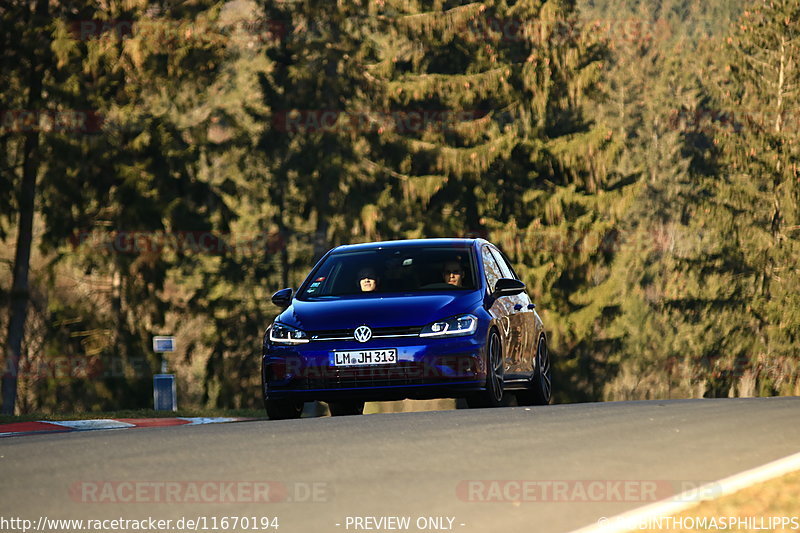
{"x":164,"y":396}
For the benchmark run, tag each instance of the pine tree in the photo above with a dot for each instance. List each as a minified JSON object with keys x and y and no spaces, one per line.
{"x":317,"y":94}
{"x":33,"y":51}
{"x":758,"y":89}
{"x":665,"y":310}
{"x":179,"y":95}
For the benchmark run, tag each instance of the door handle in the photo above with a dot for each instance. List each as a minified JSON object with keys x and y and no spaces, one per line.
{"x":531,"y":306}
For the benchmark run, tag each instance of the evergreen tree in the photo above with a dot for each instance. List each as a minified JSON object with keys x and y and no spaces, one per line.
{"x":665,"y":310}
{"x":639,"y":170}
{"x":759,"y":90}
{"x":490,"y":136}
{"x":27,"y":76}
{"x":154,"y":176}
{"x":317,"y":94}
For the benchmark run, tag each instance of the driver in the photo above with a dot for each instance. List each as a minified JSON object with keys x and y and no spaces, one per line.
{"x":367,"y":280}
{"x":453,"y":274}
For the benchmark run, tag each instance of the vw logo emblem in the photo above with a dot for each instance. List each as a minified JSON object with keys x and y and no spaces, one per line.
{"x":362,"y":333}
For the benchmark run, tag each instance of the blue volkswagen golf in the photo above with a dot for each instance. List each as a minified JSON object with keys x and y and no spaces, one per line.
{"x":427,"y":318}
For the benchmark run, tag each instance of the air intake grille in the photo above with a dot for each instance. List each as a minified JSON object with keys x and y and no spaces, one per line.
{"x":381,"y":333}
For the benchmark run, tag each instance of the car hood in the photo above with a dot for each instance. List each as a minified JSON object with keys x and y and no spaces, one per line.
{"x":377,"y":311}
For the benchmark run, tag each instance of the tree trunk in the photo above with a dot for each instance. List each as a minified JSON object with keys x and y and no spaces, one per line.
{"x":20,"y":294}
{"x":328,"y":183}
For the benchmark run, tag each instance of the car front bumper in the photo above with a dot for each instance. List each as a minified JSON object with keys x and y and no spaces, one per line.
{"x":426,"y":368}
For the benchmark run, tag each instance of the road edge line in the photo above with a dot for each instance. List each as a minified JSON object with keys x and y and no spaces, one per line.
{"x":629,"y":521}
{"x":94,"y":424}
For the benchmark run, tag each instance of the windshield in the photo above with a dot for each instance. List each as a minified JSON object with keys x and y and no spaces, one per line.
{"x":393,"y":270}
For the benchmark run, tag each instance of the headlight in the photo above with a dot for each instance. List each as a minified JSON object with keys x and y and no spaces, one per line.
{"x":282,"y":334}
{"x":457,"y":325}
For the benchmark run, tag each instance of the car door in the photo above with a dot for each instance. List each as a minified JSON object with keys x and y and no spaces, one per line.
{"x":523,"y":322}
{"x":515,"y":309}
{"x":502,"y":309}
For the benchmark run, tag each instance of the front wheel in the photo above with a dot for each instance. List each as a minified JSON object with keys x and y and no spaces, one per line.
{"x":493,"y":395}
{"x":283,"y":409}
{"x":540,"y":389}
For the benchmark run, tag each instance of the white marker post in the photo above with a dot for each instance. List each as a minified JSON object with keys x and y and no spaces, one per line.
{"x":164,"y":396}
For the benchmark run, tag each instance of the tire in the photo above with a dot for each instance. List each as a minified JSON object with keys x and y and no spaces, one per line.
{"x":346,"y":408}
{"x":540,"y":390}
{"x":493,"y":395}
{"x":283,"y":409}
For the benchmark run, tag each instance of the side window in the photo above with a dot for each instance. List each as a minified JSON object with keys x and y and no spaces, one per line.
{"x":505,"y":268}
{"x":493,"y":272}
{"x":508,"y":272}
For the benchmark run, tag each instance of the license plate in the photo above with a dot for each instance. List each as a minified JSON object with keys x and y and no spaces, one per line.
{"x":365,"y":357}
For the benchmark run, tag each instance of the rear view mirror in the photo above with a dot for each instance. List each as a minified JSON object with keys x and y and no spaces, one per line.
{"x":282,"y":298}
{"x":507,"y":287}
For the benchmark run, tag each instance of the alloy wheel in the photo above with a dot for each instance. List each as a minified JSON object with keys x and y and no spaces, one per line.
{"x":544,"y":387}
{"x":493,"y":396}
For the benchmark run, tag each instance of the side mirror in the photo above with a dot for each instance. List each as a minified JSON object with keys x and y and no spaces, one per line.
{"x":507,"y":287}
{"x":282,"y":298}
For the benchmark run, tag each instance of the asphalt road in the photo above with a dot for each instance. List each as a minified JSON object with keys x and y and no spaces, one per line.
{"x":571,"y":464}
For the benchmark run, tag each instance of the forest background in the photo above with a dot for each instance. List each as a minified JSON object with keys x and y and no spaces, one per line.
{"x":167,"y":166}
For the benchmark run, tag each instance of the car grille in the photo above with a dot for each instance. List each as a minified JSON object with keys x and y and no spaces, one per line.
{"x":461,"y":366}
{"x":371,"y":376}
{"x":377,"y":333}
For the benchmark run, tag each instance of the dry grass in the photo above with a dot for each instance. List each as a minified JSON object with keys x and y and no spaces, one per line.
{"x":778,"y":498}
{"x":408,"y":406}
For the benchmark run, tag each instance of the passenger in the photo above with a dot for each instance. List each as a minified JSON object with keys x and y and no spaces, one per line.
{"x":453,"y":274}
{"x":367,"y":280}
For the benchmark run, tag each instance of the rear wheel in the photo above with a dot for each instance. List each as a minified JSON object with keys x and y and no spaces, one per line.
{"x":283,"y":409}
{"x":493,"y":395}
{"x":346,"y":408}
{"x":540,"y":388}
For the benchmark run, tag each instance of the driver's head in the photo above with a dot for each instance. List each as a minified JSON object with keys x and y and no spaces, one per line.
{"x":453,"y":274}
{"x":367,"y":280}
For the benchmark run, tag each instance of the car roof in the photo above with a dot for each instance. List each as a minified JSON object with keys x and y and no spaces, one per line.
{"x":405,"y":244}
